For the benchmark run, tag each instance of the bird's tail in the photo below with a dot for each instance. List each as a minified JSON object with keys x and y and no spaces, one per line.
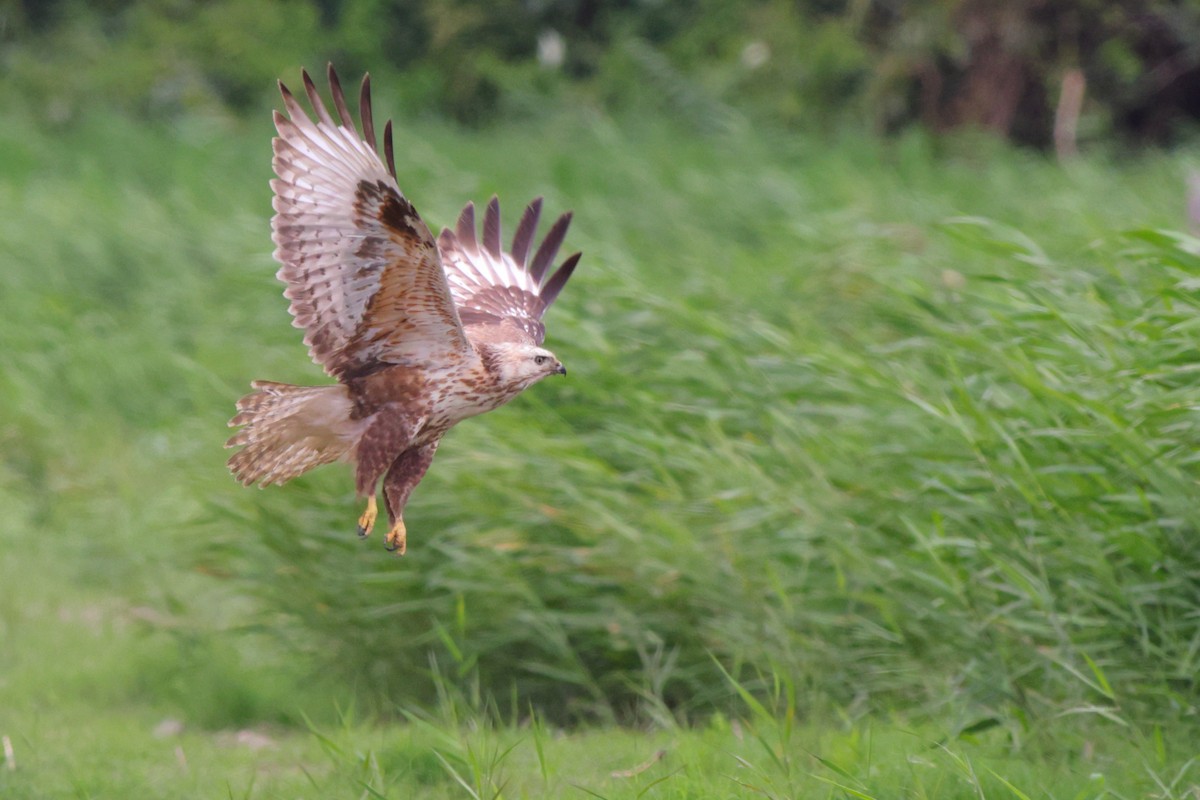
{"x":287,"y":430}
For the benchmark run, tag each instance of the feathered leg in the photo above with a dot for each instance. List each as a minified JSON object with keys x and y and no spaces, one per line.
{"x":406,"y":472}
{"x":367,"y":520}
{"x":390,"y":431}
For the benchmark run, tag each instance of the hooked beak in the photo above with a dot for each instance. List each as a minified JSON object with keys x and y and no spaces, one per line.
{"x":559,"y":369}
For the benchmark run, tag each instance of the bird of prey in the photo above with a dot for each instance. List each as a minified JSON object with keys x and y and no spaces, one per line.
{"x":419,"y":333}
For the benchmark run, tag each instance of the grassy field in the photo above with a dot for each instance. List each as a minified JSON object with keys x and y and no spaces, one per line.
{"x":873,"y":476}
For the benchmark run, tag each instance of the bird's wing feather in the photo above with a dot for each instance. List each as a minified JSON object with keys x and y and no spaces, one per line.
{"x":362,"y":270}
{"x":492,"y":286}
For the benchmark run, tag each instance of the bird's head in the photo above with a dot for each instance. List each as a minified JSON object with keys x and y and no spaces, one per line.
{"x":522,"y":365}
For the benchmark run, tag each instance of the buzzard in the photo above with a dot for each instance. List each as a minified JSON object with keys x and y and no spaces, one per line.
{"x":419,"y":334}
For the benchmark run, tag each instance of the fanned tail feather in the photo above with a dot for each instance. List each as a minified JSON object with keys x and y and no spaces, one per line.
{"x":287,"y":430}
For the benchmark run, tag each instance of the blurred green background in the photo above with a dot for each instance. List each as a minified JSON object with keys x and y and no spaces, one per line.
{"x":874,"y":474}
{"x":872,"y":64}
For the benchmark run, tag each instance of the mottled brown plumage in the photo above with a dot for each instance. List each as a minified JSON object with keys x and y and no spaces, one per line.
{"x":420,"y":334}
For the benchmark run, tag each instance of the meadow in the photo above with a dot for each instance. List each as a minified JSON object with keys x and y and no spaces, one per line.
{"x":874,"y":475}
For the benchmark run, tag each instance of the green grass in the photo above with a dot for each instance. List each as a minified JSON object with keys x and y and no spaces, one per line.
{"x":449,"y":756}
{"x":873,"y":476}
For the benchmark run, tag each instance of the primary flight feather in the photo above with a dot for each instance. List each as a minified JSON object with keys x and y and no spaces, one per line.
{"x":419,"y":333}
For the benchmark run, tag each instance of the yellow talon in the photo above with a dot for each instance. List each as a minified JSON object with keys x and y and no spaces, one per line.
{"x":367,"y":520}
{"x":397,"y":538}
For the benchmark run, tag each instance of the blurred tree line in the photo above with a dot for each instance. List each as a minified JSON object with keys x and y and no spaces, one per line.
{"x":1131,"y":67}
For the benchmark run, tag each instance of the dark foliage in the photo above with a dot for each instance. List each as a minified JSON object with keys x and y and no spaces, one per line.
{"x":988,"y":63}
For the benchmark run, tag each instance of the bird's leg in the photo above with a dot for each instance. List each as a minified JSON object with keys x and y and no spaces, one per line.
{"x":397,"y":538}
{"x":402,"y":477}
{"x":389,"y":432}
{"x":367,"y":520}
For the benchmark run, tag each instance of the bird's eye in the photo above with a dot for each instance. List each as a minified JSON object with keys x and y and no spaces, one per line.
{"x":539,"y":360}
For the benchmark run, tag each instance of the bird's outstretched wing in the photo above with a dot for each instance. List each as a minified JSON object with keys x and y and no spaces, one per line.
{"x":361,"y":268}
{"x":491,"y":286}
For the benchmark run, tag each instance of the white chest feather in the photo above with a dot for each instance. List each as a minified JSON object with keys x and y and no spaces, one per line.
{"x":463,"y":392}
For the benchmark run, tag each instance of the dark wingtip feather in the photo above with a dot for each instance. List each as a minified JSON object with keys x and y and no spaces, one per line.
{"x":295,"y":112}
{"x":549,"y":247}
{"x":559,"y":279}
{"x":491,"y":227}
{"x":465,"y":227}
{"x":364,"y":112}
{"x":314,"y":97}
{"x":447,"y":241}
{"x":289,"y":100}
{"x":387,"y":148}
{"x":339,"y":99}
{"x":523,"y":239}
